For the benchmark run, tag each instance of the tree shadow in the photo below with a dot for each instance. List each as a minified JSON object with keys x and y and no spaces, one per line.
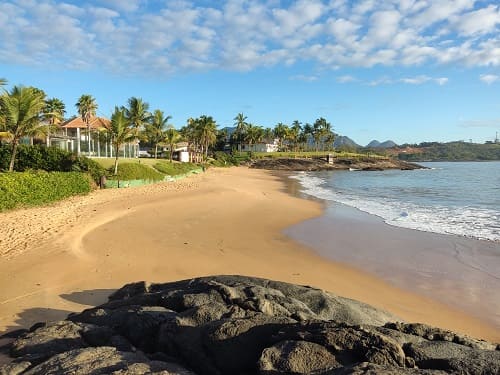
{"x":92,"y":297}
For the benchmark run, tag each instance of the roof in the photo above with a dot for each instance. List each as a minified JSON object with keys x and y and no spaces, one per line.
{"x":77,"y":122}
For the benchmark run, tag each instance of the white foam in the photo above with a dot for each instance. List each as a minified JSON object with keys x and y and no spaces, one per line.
{"x":474,"y":222}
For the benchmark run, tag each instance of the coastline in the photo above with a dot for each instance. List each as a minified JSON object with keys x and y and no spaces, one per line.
{"x":226,"y":221}
{"x":459,"y":271}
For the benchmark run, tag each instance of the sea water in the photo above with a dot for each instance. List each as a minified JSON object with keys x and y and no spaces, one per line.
{"x":458,"y":198}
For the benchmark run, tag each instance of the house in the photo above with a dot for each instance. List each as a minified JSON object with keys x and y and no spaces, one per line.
{"x":261,"y":146}
{"x":73,"y":136}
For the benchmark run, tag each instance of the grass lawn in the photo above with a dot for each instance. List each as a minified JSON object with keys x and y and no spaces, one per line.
{"x":110,"y":162}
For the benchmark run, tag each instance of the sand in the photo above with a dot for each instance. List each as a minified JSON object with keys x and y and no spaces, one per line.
{"x":71,"y":255}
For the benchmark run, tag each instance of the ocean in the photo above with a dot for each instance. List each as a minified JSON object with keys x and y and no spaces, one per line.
{"x":443,"y":237}
{"x":459,"y":198}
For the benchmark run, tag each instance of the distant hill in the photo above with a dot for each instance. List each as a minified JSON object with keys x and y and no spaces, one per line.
{"x":377,"y":144}
{"x":342,"y":140}
{"x":451,"y":151}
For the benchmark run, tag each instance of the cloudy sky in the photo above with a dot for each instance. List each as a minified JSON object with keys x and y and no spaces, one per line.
{"x":406,"y":70}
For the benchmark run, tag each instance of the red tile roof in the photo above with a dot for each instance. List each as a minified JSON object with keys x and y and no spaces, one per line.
{"x":95,"y":123}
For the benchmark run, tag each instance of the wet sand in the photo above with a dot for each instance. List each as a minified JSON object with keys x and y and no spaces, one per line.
{"x":461,"y":272}
{"x":71,"y":255}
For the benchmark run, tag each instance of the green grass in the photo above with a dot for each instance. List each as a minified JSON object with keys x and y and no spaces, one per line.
{"x":175,"y":169}
{"x":135,"y":171}
{"x":24,"y":189}
{"x":110,"y":162}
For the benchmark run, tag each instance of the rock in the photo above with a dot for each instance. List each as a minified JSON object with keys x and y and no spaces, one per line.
{"x":364,"y":163}
{"x":296,"y":357}
{"x":241,"y":325}
{"x":104,"y":360}
{"x":14,"y":368}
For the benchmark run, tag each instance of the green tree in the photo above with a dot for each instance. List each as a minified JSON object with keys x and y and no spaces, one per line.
{"x":138,"y":115}
{"x":171,"y":138}
{"x":120,"y":131}
{"x":21,"y":110}
{"x":280,"y":132}
{"x":241,"y":127}
{"x":294,"y":134}
{"x":155,"y":130}
{"x":3,"y":81}
{"x":254,"y":134}
{"x":206,"y":132}
{"x":87,"y":108}
{"x":53,"y":111}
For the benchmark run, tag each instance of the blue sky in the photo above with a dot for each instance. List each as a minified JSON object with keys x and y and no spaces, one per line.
{"x":406,"y":70}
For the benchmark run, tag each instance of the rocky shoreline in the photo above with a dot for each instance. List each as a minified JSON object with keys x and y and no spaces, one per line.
{"x":241,"y":325}
{"x":364,"y":163}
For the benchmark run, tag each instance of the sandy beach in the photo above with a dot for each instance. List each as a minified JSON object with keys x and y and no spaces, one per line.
{"x":71,"y":255}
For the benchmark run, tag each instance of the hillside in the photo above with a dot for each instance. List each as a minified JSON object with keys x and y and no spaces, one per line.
{"x":452,"y":151}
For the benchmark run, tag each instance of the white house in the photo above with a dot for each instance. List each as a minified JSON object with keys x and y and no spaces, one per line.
{"x":261,"y":146}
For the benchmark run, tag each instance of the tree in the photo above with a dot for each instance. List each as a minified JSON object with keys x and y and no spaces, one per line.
{"x":155,"y":130}
{"x":241,"y":126}
{"x":294,"y":134}
{"x":307,"y":133}
{"x":322,"y":132}
{"x":120,"y":131}
{"x":280,"y":132}
{"x":254,"y":134}
{"x":21,"y":110}
{"x":53,"y":111}
{"x":206,"y":131}
{"x":171,"y":138}
{"x":138,"y":116}
{"x":3,"y":81}
{"x":87,"y":108}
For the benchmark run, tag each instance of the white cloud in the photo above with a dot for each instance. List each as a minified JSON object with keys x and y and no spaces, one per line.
{"x":489,"y":78}
{"x":305,"y":78}
{"x":154,"y":37}
{"x":418,"y":80}
{"x":346,"y":79}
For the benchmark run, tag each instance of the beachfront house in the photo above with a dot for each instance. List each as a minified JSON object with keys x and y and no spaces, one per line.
{"x":261,"y":146}
{"x":73,"y":135}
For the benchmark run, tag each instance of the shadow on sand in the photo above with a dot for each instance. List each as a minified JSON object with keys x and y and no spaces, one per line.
{"x":91,"y":297}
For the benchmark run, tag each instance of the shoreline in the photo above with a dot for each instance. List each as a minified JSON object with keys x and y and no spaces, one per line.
{"x":456,"y":270}
{"x":226,"y":221}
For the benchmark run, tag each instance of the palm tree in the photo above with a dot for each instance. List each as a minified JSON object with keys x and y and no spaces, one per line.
{"x":171,"y":138}
{"x":294,"y":133}
{"x":321,"y":130}
{"x":54,"y":113}
{"x":121,"y":132}
{"x":138,"y":116}
{"x":254,"y":134}
{"x":87,"y":108}
{"x":280,"y":131}
{"x":155,"y":130}
{"x":206,"y":132}
{"x":3,"y":81}
{"x":188,"y":132}
{"x":21,"y":110}
{"x":241,"y":126}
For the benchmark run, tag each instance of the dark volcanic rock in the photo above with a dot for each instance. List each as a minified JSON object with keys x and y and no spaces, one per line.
{"x":242,"y":325}
{"x":364,"y":163}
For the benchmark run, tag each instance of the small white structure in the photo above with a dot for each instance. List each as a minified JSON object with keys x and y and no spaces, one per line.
{"x":183,"y":156}
{"x":261,"y":147}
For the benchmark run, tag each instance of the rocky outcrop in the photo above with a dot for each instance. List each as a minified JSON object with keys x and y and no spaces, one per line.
{"x":241,"y":325}
{"x":342,"y":163}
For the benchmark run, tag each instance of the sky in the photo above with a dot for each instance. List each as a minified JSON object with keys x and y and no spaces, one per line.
{"x":405,"y":70}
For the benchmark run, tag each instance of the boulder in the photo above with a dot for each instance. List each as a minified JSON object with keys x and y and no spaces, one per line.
{"x":241,"y":325}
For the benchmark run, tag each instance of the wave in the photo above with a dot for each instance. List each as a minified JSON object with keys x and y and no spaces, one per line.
{"x":472,"y":222}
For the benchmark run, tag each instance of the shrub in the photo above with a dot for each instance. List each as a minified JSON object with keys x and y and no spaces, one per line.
{"x":50,"y":159}
{"x":223,"y":159}
{"x":135,"y":171}
{"x":175,"y":169}
{"x":22,"y":189}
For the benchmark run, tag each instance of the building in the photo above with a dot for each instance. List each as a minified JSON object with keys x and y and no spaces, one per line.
{"x":72,"y":135}
{"x":261,"y":147}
